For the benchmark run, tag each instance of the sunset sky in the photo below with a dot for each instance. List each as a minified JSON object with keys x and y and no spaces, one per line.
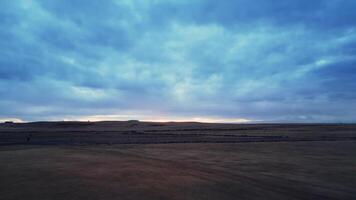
{"x":178,"y":60}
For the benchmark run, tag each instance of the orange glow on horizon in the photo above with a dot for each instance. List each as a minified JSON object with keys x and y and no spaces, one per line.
{"x":160,"y":119}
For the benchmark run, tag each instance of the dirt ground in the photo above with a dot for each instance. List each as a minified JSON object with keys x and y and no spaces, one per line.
{"x":265,"y":170}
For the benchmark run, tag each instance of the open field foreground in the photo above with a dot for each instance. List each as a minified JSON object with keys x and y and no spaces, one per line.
{"x":321,"y":165}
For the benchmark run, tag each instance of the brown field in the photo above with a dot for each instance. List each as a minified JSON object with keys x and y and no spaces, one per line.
{"x":133,"y":160}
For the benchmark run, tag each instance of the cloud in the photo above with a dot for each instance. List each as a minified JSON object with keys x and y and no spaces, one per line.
{"x":280,"y":61}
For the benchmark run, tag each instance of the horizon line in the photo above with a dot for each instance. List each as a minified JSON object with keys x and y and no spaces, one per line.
{"x":154,"y":121}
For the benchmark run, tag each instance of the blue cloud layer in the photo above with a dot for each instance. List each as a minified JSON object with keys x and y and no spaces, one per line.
{"x":282,"y":61}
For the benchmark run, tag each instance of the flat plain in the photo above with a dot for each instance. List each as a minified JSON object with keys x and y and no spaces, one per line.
{"x":142,"y":160}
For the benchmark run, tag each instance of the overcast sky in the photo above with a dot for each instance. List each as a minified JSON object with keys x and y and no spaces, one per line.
{"x":203,"y":60}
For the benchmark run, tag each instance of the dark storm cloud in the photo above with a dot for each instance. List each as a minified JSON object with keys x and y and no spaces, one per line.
{"x":284,"y":60}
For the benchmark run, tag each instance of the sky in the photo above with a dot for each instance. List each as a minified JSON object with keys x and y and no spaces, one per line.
{"x":178,"y":60}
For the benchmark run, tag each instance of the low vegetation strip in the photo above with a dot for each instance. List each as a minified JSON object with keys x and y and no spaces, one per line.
{"x":57,"y":133}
